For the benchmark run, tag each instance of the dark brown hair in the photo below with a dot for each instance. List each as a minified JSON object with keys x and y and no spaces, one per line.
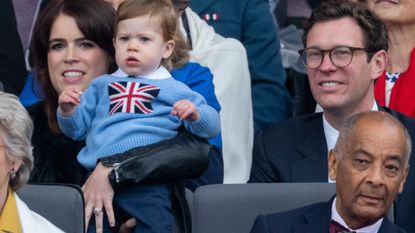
{"x":374,"y":31}
{"x":163,"y":12}
{"x":95,"y":20}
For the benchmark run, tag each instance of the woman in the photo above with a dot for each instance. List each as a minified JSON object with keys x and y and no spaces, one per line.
{"x":72,"y":44}
{"x":394,"y":88}
{"x":16,"y":161}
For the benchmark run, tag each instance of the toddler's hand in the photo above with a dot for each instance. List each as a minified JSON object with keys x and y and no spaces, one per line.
{"x":69,"y":99}
{"x":185,"y":110}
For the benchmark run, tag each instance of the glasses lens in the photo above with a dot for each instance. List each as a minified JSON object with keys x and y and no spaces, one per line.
{"x":312,"y":57}
{"x":341,"y":56}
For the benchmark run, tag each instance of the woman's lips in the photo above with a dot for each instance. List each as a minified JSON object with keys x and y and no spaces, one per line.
{"x":72,"y":76}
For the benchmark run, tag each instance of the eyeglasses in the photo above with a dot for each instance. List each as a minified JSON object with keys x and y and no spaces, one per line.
{"x":340,"y":56}
{"x":181,"y":5}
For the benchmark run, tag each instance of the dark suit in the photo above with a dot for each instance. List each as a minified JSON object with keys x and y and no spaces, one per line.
{"x":296,"y":151}
{"x":310,"y":219}
{"x":250,"y":22}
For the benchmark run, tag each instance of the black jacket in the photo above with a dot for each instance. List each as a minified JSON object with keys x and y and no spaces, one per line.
{"x":311,"y":218}
{"x":170,"y":161}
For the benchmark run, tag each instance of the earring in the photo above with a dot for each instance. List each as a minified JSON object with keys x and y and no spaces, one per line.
{"x":12,"y":174}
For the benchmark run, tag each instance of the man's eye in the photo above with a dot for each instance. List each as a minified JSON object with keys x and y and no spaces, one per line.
{"x":391,"y":169}
{"x":314,"y":55}
{"x":361,"y":163}
{"x":341,"y":52}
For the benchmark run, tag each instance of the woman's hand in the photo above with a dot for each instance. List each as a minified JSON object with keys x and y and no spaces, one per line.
{"x":98,"y":195}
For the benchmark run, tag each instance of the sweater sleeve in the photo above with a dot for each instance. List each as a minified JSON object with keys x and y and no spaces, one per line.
{"x":208,"y":124}
{"x":76,"y":126}
{"x":200,"y":80}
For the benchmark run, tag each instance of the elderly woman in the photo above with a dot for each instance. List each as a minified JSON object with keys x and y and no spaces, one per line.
{"x":16,"y":161}
{"x":395,"y":87}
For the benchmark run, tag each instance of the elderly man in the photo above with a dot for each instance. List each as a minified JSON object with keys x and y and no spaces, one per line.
{"x":345,"y":52}
{"x":370,"y":165}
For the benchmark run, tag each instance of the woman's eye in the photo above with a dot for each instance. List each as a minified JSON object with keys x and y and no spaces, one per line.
{"x":56,"y":46}
{"x":87,"y":44}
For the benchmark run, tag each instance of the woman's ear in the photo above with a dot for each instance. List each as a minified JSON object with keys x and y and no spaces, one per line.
{"x":378,"y":64}
{"x":168,"y":48}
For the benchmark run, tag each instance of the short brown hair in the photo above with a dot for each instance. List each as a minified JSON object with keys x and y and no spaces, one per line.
{"x":374,"y":31}
{"x":163,"y":11}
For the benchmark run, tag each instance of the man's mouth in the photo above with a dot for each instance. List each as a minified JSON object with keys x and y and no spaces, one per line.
{"x":329,"y":84}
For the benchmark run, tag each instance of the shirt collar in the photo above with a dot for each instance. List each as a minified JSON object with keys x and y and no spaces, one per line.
{"x":160,"y":73}
{"x":9,"y":217}
{"x":332,"y":134}
{"x":374,"y":228}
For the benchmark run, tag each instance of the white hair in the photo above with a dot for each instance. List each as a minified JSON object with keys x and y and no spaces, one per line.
{"x":16,"y":129}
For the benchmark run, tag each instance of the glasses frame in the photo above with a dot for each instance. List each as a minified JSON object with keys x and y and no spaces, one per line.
{"x":181,"y":5}
{"x":302,"y":52}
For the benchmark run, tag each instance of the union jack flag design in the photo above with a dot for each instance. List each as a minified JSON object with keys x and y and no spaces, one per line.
{"x":131,"y":97}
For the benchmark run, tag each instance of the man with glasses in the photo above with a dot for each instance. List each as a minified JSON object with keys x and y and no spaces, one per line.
{"x":345,"y":52}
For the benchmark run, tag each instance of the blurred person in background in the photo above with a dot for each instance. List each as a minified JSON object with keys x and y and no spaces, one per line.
{"x":395,"y":86}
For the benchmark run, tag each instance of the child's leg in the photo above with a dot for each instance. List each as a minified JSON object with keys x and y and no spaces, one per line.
{"x":149,"y":204}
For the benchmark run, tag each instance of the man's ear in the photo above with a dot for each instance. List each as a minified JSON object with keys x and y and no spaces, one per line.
{"x":378,"y":64}
{"x":168,"y":48}
{"x":332,"y":165}
{"x":404,"y":178}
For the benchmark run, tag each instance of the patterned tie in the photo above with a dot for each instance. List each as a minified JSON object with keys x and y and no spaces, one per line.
{"x":336,"y":227}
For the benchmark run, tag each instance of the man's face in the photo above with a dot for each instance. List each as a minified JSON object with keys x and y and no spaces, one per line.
{"x":369,"y":170}
{"x":346,"y":89}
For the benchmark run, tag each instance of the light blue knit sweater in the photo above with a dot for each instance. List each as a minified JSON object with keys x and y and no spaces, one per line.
{"x":133,"y":118}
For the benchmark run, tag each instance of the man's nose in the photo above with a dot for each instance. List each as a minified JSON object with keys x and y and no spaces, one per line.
{"x":376,"y":176}
{"x":326,"y":63}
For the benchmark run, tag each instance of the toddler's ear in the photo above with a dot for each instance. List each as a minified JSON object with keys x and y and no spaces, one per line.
{"x":168,"y":48}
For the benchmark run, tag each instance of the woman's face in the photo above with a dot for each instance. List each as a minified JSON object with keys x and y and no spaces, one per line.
{"x":5,"y":167}
{"x":394,"y":11}
{"x":73,"y":60}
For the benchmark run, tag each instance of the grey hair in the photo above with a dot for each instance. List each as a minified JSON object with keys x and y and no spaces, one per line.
{"x":16,"y":129}
{"x":382,"y":117}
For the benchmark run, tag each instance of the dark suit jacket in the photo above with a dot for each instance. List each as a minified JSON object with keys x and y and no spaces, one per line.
{"x":296,"y":151}
{"x":250,"y":22}
{"x":310,"y":219}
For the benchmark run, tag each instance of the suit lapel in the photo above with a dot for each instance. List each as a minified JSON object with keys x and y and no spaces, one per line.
{"x":313,"y":166}
{"x":199,"y":6}
{"x":387,"y":227}
{"x":317,"y":220}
